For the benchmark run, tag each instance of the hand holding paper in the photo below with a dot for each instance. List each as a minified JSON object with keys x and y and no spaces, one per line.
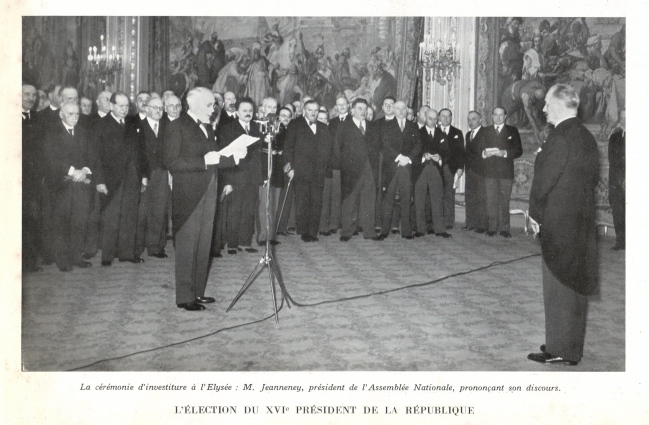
{"x":212,"y":158}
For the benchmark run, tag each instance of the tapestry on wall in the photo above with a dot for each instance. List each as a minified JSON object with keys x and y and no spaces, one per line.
{"x":290,"y":57}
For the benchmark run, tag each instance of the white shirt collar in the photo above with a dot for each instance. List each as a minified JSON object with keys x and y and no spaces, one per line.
{"x":389,"y":118}
{"x":475,"y":130}
{"x":67,"y":127}
{"x":357,"y":122}
{"x":244,"y":124}
{"x":53,"y":108}
{"x":428,"y":129}
{"x":172,"y":118}
{"x":342,"y":116}
{"x":142,"y":116}
{"x":102,"y":114}
{"x":116,"y":119}
{"x":152,"y":122}
{"x":445,"y":129}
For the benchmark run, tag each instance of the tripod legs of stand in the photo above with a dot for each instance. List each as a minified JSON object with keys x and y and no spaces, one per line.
{"x":267,"y":261}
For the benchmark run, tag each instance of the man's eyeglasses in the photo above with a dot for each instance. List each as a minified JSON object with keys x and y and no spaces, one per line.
{"x":156,"y":108}
{"x":173,"y":106}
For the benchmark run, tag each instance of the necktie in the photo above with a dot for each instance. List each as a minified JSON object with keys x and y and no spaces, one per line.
{"x":401,"y":124}
{"x":362,"y":127}
{"x":247,"y":129}
{"x":472,"y":134}
{"x":498,"y":129}
{"x":71,"y":131}
{"x":155,"y":129}
{"x":342,"y":118}
{"x":26,"y":115}
{"x":121,"y":122}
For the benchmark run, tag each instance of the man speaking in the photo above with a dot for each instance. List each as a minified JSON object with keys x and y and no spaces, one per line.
{"x":562,"y":203}
{"x":190,"y":155}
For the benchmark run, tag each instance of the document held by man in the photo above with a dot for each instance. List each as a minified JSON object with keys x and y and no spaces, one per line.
{"x":240,"y":144}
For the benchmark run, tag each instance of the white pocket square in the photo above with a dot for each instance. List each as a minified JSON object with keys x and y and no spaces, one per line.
{"x":509,"y":137}
{"x":456,"y":136}
{"x":442,"y":141}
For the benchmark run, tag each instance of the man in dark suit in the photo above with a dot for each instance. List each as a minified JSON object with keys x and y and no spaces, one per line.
{"x":94,"y":216}
{"x":154,"y":201}
{"x":428,"y":178}
{"x":617,"y":180}
{"x":356,"y":149}
{"x":331,"y":202}
{"x":501,"y":146}
{"x":401,"y":146}
{"x":141,"y":100}
{"x":173,"y":108}
{"x":308,"y":150}
{"x":242,"y":182}
{"x":229,"y":114}
{"x":73,"y":172}
{"x":475,"y":197}
{"x":562,"y":204}
{"x":454,"y":166}
{"x":119,"y":146}
{"x":31,"y":177}
{"x":190,"y":155}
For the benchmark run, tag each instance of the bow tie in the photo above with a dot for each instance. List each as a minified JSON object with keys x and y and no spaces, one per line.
{"x":311,"y":122}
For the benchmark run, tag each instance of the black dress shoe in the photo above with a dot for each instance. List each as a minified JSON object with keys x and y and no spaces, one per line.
{"x":217,"y":255}
{"x":333,"y":231}
{"x":66,"y":268}
{"x":355,"y":233}
{"x":106,"y":263}
{"x":444,"y":235}
{"x":548,"y":358}
{"x":132,"y":260}
{"x":418,"y":235}
{"x":232,"y":251}
{"x":261,"y":243}
{"x":192,"y":306}
{"x":274,"y":242}
{"x":159,"y":255}
{"x":408,"y":237}
{"x":431,"y":232}
{"x":251,"y":250}
{"x":325,"y":233}
{"x":449,"y":227}
{"x":344,"y":238}
{"x":491,"y":233}
{"x":205,"y":300}
{"x":83,"y":264}
{"x":479,"y":230}
{"x":87,"y":256}
{"x":306,"y":238}
{"x":505,"y":234}
{"x":467,"y":228}
{"x":380,"y":237}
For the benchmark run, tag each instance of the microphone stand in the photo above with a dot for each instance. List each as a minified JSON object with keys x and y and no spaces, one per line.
{"x":267,"y":127}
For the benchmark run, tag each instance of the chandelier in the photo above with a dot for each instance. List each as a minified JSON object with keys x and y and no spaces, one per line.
{"x":104,"y":67}
{"x":439,"y":59}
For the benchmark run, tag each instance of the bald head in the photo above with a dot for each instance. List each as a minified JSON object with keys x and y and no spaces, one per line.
{"x":69,"y":113}
{"x":29,"y":97}
{"x":68,"y":94}
{"x":431,"y":118}
{"x":421,"y":114}
{"x":154,"y":108}
{"x":173,"y":106}
{"x":400,"y":110}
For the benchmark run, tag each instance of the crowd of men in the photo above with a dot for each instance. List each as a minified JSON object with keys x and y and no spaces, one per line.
{"x":100,"y":178}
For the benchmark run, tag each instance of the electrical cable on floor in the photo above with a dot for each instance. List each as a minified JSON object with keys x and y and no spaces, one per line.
{"x":355,"y":297}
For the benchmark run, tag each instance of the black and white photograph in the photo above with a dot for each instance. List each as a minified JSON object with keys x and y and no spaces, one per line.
{"x":269,"y":205}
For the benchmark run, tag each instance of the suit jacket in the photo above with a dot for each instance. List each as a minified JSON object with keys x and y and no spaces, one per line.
{"x":334,"y":126}
{"x":352,"y":149}
{"x":309,"y":154}
{"x":185,"y":146}
{"x":249,"y":170}
{"x":225,"y":119}
{"x":437,"y":144}
{"x":64,"y":151}
{"x":456,"y":143}
{"x":473,"y":159}
{"x":562,"y":200}
{"x":153,"y":147}
{"x":395,"y":142}
{"x":496,"y":167}
{"x":119,"y":148}
{"x":616,"y":158}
